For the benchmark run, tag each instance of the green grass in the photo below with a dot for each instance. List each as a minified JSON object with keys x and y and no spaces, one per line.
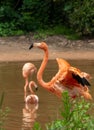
{"x":57,"y":30}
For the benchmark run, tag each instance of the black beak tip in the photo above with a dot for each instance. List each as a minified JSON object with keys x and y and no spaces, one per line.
{"x":36,"y":88}
{"x":31,"y":46}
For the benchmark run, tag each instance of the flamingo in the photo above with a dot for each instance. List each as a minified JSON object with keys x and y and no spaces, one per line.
{"x":27,"y":69}
{"x":32,"y":98}
{"x":67,"y":78}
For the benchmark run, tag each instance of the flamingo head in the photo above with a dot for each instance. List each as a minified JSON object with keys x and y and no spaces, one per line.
{"x":31,"y":84}
{"x":36,"y":87}
{"x":41,"y":45}
{"x":33,"y":70}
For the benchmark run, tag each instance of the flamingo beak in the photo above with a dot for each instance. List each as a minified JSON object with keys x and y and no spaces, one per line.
{"x":35,"y":45}
{"x":36,"y":87}
{"x":31,"y":46}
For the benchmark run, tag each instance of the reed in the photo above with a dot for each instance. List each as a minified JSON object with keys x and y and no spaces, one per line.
{"x":3,"y":112}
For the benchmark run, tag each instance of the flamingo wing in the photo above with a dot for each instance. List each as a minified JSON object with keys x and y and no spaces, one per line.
{"x":71,"y":76}
{"x":71,"y":79}
{"x":74,"y":78}
{"x":81,"y":80}
{"x":63,"y":64}
{"x":77,"y":75}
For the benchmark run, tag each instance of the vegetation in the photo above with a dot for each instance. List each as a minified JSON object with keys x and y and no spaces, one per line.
{"x":24,"y":16}
{"x":75,"y":116}
{"x":3,"y":113}
{"x":57,"y":30}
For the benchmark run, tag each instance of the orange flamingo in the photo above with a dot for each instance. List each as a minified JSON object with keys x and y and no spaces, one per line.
{"x":32,"y":98}
{"x":67,"y":78}
{"x":27,"y":69}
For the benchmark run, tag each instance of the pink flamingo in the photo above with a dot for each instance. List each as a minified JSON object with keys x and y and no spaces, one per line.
{"x":27,"y":70}
{"x":67,"y":78}
{"x":32,"y":98}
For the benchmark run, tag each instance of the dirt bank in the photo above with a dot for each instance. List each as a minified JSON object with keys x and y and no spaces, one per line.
{"x":16,"y":49}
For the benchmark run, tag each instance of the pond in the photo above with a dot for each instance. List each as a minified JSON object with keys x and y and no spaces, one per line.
{"x":48,"y":109}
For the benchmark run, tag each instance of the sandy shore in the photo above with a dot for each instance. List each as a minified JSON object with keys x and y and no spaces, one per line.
{"x":20,"y":52}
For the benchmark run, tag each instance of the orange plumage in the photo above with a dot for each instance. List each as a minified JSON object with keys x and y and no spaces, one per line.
{"x":67,"y":78}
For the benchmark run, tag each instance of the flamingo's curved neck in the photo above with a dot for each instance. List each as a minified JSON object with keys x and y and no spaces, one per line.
{"x":32,"y":84}
{"x":41,"y":69}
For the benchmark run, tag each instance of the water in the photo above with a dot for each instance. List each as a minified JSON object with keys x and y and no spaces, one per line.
{"x":48,"y":109}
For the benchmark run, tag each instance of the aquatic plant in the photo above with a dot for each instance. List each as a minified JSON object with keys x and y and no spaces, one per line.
{"x":3,"y":112}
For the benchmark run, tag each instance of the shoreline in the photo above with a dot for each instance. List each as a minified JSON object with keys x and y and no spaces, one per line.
{"x":20,"y":52}
{"x":16,"y":49}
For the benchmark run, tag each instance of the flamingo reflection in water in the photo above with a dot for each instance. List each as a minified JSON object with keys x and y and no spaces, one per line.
{"x":29,"y":115}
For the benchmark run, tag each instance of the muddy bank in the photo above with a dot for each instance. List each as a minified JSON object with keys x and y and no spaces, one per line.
{"x":17,"y":49}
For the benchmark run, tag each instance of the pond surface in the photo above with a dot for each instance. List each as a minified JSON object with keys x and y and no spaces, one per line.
{"x":48,"y":109}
